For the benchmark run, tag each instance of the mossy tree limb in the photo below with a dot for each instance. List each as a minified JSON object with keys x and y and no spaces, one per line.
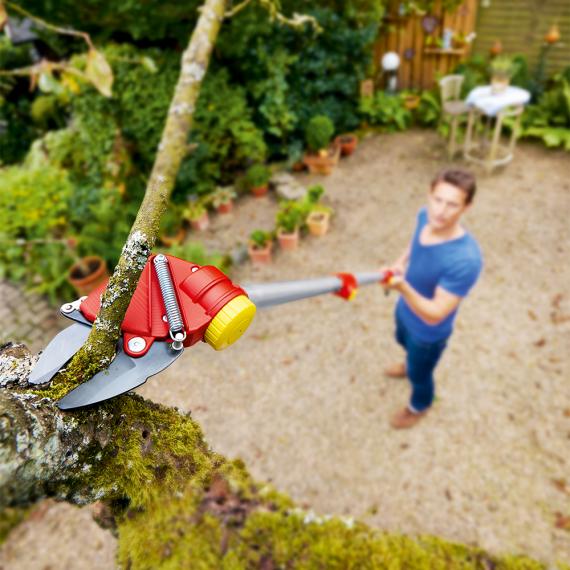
{"x":99,"y":348}
{"x":175,"y":503}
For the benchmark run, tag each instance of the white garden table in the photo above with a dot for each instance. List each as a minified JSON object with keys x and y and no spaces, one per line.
{"x":483,"y":146}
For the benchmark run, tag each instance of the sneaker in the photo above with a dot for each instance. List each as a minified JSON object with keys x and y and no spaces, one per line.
{"x":397,"y":370}
{"x":404,"y":419}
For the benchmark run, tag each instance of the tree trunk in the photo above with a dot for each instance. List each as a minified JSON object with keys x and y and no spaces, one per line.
{"x":175,"y":503}
{"x":99,"y":348}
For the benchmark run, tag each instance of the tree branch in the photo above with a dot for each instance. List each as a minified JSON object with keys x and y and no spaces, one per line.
{"x":175,"y":503}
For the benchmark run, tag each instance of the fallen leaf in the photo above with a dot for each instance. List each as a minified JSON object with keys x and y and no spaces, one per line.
{"x":540,"y":342}
{"x":532,"y":315}
{"x":560,"y":484}
{"x":562,"y":521}
{"x":567,"y":413}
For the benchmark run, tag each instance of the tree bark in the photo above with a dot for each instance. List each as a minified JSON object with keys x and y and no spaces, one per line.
{"x":99,"y":348}
{"x":175,"y":503}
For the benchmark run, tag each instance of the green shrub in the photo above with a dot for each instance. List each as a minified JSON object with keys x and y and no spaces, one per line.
{"x":319,"y":133}
{"x":34,"y":216}
{"x":386,"y":110}
{"x":257,"y":176}
{"x":549,"y":118}
{"x":171,"y":221}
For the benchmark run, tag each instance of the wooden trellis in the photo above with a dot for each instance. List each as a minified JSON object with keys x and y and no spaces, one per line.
{"x":420,"y":64}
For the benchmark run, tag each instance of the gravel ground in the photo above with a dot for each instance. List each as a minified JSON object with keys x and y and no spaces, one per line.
{"x":301,"y":398}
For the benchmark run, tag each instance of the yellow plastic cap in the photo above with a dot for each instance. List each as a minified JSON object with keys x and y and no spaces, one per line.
{"x":230,"y":322}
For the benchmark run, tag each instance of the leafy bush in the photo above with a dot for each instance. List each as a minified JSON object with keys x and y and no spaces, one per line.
{"x":549,"y":119}
{"x":386,"y":110}
{"x":34,"y":214}
{"x":319,"y":133}
{"x":171,"y":221}
{"x":428,"y":112}
{"x":227,"y":138}
{"x":257,"y":176}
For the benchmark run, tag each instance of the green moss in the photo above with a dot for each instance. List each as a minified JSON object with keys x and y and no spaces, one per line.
{"x":10,"y":518}
{"x":152,"y":447}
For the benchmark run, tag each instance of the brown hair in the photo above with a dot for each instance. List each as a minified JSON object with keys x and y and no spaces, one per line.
{"x":462,"y":179}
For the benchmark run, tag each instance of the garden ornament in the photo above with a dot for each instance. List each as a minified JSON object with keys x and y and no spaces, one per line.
{"x":175,"y":305}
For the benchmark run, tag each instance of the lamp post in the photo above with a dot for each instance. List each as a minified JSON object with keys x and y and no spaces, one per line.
{"x":390,"y":64}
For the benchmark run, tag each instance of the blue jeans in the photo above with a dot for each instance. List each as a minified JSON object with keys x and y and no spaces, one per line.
{"x":421,"y":360}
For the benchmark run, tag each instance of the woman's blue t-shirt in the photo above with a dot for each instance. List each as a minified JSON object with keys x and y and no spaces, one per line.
{"x":454,"y":265}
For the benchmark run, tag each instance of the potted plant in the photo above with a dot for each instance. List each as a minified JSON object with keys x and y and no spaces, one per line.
{"x":411,"y":101}
{"x":87,"y":273}
{"x":502,"y":69}
{"x":257,"y":179}
{"x":259,"y":247}
{"x":322,"y":157}
{"x":197,"y":214}
{"x":347,"y":143}
{"x":289,"y":218}
{"x":317,"y":214}
{"x":222,"y":199}
{"x":171,"y":227}
{"x":318,"y":220}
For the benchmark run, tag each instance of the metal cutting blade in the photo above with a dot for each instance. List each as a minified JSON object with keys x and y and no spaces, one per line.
{"x":124,"y":373}
{"x":62,"y":347}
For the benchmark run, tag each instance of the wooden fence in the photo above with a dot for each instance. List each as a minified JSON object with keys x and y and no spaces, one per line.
{"x":520,"y":25}
{"x":422,"y":64}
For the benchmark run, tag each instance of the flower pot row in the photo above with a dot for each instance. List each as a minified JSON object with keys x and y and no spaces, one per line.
{"x":260,"y":251}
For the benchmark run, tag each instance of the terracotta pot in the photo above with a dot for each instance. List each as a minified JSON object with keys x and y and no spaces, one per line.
{"x":260,"y":191}
{"x":259,"y":255}
{"x":347,"y":143}
{"x":324,"y":162}
{"x":225,"y":208}
{"x":173,"y":239}
{"x":318,"y":223}
{"x":496,"y":48}
{"x":411,"y":102}
{"x":288,"y":241}
{"x":87,"y":274}
{"x":201,"y":223}
{"x":298,"y":166}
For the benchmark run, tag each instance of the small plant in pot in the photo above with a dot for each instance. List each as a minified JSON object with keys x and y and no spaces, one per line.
{"x":322,"y":156}
{"x":502,"y":68}
{"x":259,"y":247}
{"x":171,"y":227}
{"x":347,"y":143}
{"x":223,"y":199}
{"x":197,"y":214}
{"x":318,"y":215}
{"x":289,"y":218}
{"x":257,"y":179}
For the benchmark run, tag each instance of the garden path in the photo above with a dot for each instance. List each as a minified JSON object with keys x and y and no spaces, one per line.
{"x":301,"y":398}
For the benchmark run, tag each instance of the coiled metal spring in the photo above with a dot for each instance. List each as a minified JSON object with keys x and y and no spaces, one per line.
{"x":168,"y":295}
